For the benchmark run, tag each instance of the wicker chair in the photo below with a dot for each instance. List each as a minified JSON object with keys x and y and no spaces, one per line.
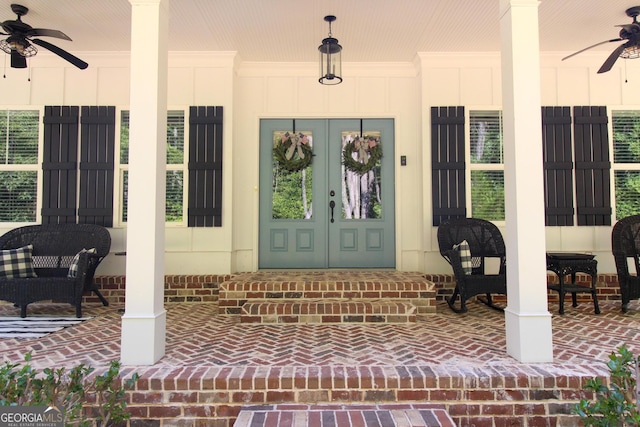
{"x":625,"y":244}
{"x":54,"y":247}
{"x":485,"y":241}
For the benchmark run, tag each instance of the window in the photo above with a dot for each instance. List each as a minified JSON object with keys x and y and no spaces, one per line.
{"x":626,"y":162}
{"x":19,"y":139}
{"x":175,"y":165}
{"x":486,"y":165}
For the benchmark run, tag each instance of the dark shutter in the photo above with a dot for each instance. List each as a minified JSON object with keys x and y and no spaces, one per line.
{"x":447,"y":163}
{"x":205,"y":167}
{"x":59,"y":165}
{"x":97,"y":145}
{"x":558,"y":166}
{"x":593,"y":191}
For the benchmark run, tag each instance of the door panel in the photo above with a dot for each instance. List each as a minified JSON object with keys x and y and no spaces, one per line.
{"x":325,"y":216}
{"x":362,"y":234}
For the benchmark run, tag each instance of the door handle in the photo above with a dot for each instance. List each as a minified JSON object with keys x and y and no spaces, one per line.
{"x":332,"y":205}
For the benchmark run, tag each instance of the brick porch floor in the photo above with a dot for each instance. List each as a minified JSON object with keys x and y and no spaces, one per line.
{"x":214,"y":364}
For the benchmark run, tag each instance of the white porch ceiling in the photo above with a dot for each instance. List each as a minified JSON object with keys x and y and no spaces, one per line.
{"x":291,"y":30}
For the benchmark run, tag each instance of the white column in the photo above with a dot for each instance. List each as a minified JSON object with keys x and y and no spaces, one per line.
{"x":528,"y":321}
{"x":144,"y":321}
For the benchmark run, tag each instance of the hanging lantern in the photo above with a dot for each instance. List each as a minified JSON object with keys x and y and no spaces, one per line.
{"x":330,"y":58}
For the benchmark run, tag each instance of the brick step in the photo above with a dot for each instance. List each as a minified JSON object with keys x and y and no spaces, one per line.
{"x":327,"y":284}
{"x":328,"y":311}
{"x":297,"y":415}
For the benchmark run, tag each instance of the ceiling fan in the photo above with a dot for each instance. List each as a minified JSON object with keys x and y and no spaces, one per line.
{"x":630,"y":34}
{"x":19,"y":43}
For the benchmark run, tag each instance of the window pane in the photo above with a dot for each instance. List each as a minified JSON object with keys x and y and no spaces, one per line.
{"x":174,"y":196}
{"x":18,"y":196}
{"x":361,"y":183}
{"x":626,"y":136}
{"x":485,"y":129}
{"x":487,"y":195}
{"x":19,"y":136}
{"x":175,"y":137}
{"x":292,"y":177}
{"x":627,"y":193}
{"x":175,"y":185}
{"x":124,"y":137}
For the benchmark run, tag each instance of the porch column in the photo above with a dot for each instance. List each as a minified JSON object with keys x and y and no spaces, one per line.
{"x":528,"y":321}
{"x":144,"y":321}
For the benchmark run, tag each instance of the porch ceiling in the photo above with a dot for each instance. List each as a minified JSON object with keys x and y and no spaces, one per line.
{"x":291,"y":30}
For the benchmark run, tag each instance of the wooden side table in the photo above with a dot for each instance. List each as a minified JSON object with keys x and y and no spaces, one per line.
{"x":564,"y":264}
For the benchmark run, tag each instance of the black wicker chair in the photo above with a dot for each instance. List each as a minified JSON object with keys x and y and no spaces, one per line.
{"x":54,"y":247}
{"x":485,"y":241}
{"x":625,"y":244}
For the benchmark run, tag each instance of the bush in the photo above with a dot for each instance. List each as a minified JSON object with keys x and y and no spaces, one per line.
{"x":618,"y":404}
{"x":67,"y":390}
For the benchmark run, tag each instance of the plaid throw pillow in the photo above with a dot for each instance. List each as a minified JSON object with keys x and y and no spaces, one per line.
{"x":73,"y":267}
{"x":465,"y":256}
{"x":17,"y":263}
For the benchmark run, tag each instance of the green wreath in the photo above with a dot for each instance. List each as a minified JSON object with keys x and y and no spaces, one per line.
{"x":292,"y":162}
{"x":371,"y":151}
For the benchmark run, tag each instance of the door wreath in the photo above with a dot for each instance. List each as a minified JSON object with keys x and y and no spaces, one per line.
{"x":369,"y":152}
{"x":293,"y":152}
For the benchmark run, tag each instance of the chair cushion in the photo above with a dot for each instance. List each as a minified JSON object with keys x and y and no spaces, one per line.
{"x":465,"y":256}
{"x":17,"y":263}
{"x":73,"y":267}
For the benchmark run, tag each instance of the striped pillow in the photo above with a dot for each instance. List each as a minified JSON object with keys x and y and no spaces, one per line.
{"x":17,"y":263}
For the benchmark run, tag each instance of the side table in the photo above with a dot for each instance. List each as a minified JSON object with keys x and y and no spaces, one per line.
{"x":564,"y":264}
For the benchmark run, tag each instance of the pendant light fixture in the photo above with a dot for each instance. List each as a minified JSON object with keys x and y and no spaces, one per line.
{"x":330,"y":58}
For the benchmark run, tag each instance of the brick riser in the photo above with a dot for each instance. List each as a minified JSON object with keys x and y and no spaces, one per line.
{"x":322,"y":297}
{"x":205,"y":288}
{"x":480,"y":396}
{"x":327,"y":311}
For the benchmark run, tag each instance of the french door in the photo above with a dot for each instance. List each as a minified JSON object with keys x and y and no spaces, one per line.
{"x":326,"y":193}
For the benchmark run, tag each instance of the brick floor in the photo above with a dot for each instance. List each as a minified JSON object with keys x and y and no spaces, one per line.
{"x":214,"y":365}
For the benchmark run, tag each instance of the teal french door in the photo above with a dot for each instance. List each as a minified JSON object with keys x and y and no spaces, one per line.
{"x":326,"y":193}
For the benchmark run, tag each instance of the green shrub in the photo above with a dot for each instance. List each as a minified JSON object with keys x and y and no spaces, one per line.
{"x":616,"y":405}
{"x":67,"y":390}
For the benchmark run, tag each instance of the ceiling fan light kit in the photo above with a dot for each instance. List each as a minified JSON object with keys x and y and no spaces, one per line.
{"x":330,"y":58}
{"x":629,"y":34}
{"x":20,"y":42}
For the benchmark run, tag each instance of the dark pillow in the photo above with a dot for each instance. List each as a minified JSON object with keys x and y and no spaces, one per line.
{"x":73,"y":267}
{"x":465,"y":256}
{"x":17,"y":263}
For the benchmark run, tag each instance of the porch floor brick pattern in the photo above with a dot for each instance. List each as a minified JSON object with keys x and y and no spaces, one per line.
{"x":214,"y":365}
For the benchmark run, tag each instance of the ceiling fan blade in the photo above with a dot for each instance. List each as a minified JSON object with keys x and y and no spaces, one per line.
{"x":62,"y":53}
{"x":43,"y":32}
{"x":612,"y":58}
{"x":592,"y":46}
{"x":17,"y":60}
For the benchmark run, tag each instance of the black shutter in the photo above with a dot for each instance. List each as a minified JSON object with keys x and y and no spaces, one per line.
{"x":59,"y":165}
{"x":205,"y":167}
{"x":447,"y":163}
{"x":593,"y":191}
{"x":97,"y":147}
{"x":558,"y":166}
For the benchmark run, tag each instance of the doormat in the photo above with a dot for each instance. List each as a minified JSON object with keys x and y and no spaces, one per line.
{"x":35,"y":326}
